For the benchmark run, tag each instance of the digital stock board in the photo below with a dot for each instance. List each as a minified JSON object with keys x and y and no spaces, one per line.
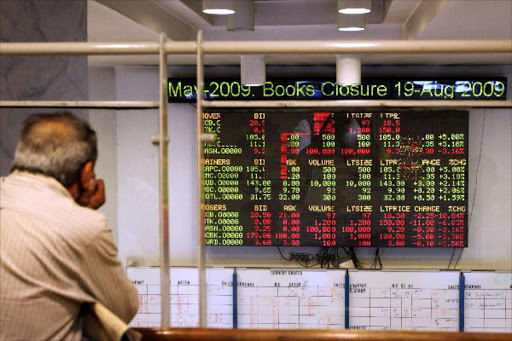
{"x":305,"y":177}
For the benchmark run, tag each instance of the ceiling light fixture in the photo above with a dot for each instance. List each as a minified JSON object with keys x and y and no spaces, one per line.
{"x":348,"y":70}
{"x":243,"y":19}
{"x":354,"y":6}
{"x":351,"y":22}
{"x":252,"y":70}
{"x":218,"y":7}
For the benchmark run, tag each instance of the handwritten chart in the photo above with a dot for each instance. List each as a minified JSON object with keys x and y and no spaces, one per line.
{"x":184,"y":297}
{"x":488,"y":302}
{"x":404,"y":300}
{"x":315,"y":299}
{"x":291,"y":299}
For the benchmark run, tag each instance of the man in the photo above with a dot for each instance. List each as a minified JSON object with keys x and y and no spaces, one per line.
{"x":56,"y":251}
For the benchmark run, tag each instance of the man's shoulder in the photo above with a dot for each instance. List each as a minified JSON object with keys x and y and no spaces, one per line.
{"x":87,"y":225}
{"x":39,"y":199}
{"x":85,"y":217}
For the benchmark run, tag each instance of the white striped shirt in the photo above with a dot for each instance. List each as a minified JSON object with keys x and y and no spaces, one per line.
{"x":54,"y":256}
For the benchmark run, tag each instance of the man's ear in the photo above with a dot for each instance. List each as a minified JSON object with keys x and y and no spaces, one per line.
{"x":87,"y":176}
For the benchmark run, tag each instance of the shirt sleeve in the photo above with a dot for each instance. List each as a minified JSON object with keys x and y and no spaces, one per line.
{"x":105,"y":279}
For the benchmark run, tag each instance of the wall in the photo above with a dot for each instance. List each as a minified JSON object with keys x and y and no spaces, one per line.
{"x":490,"y":235}
{"x":39,"y":77}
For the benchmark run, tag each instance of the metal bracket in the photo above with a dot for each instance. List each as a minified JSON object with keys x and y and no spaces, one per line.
{"x":155,"y":139}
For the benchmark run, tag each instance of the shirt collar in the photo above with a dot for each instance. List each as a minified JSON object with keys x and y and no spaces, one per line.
{"x":39,"y":182}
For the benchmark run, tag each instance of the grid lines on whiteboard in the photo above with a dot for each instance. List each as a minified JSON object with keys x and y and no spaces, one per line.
{"x":301,"y":299}
{"x":184,"y":296}
{"x":488,"y":302}
{"x":404,"y":301}
{"x":291,"y":308}
{"x":281,"y":299}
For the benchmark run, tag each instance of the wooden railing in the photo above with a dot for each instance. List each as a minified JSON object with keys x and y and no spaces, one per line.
{"x":205,"y":334}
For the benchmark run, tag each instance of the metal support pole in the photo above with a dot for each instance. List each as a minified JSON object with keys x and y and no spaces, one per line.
{"x":261,"y":47}
{"x":81,"y":104}
{"x":201,"y":255}
{"x":357,"y":103}
{"x":165,"y":278}
{"x":259,"y":104}
{"x":357,"y":47}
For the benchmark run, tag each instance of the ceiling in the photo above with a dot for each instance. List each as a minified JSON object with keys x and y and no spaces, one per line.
{"x":135,"y":20}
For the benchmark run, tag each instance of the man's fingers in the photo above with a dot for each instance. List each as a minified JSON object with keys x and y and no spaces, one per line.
{"x":91,"y":185}
{"x":98,"y":197}
{"x":100,"y":187}
{"x":93,"y":195}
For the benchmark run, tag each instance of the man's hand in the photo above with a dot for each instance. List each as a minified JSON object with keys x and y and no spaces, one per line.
{"x":93,"y":194}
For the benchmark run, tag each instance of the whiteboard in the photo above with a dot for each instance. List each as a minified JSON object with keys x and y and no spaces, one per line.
{"x":315,"y":299}
{"x":291,"y":299}
{"x":399,"y":300}
{"x":488,"y":302}
{"x":184,"y":297}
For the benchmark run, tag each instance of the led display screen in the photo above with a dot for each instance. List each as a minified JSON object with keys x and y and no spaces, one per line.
{"x":306,"y":177}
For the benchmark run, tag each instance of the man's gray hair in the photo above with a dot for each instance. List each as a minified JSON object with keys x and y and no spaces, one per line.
{"x":56,"y":145}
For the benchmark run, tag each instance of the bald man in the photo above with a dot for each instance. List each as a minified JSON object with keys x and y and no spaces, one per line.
{"x":57,"y":255}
